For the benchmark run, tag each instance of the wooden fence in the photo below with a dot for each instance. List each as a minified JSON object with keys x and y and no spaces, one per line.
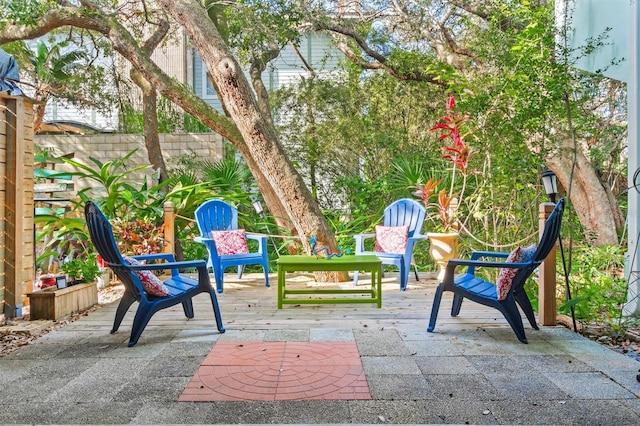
{"x":16,"y":204}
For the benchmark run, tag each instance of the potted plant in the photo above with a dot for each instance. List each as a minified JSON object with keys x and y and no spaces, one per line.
{"x":81,"y":270}
{"x":80,"y":291}
{"x":444,"y":241}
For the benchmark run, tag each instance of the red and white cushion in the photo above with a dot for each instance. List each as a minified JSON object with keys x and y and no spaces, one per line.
{"x":528,"y":252}
{"x":506,"y":276}
{"x":151,"y":284}
{"x":230,"y":242}
{"x":391,"y":239}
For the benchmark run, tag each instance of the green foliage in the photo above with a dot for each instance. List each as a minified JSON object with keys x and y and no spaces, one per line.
{"x":82,"y":270}
{"x":190,"y":124}
{"x":273,"y":23}
{"x":63,"y":66}
{"x":228,"y":175}
{"x":170,"y":119}
{"x":111,"y":176}
{"x":60,"y":237}
{"x":598,"y":286}
{"x":24,"y":11}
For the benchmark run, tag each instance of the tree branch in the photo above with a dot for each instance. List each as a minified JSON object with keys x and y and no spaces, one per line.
{"x":380,"y":61}
{"x":458,"y":50}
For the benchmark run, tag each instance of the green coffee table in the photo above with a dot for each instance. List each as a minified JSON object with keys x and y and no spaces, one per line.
{"x":345,"y":263}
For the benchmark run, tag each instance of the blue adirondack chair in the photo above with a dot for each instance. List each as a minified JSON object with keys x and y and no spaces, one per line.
{"x":180,"y":288}
{"x":403,"y":212}
{"x":470,"y":286}
{"x":218,"y":215}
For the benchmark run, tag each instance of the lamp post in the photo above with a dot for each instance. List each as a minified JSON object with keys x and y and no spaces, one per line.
{"x":257,"y":205}
{"x":550,"y":182}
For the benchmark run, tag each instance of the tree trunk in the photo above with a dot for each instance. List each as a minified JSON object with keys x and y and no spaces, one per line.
{"x":150,"y":125}
{"x":260,"y":141}
{"x":594,"y":204}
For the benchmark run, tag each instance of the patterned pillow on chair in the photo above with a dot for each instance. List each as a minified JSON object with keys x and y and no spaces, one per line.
{"x":506,"y":276}
{"x":230,"y":242}
{"x":151,"y":284}
{"x":528,"y":252}
{"x":391,"y":239}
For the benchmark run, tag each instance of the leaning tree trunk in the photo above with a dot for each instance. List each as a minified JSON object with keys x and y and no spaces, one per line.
{"x":260,"y":141}
{"x":253,"y":134}
{"x":597,"y":210}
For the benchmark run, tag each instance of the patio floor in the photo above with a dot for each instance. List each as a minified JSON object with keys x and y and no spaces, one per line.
{"x":317,"y":364}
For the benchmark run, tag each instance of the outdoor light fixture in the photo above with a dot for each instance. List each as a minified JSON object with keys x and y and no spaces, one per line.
{"x":550,"y":182}
{"x":257,"y":205}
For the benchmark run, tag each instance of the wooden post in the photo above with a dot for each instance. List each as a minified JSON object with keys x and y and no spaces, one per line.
{"x":16,"y":205}
{"x":169,"y":227}
{"x":547,"y":276}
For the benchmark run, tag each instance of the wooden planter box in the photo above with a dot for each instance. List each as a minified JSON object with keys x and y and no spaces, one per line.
{"x":53,"y":303}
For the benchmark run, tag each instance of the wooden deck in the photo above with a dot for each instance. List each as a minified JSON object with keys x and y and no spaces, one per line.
{"x":247,"y":304}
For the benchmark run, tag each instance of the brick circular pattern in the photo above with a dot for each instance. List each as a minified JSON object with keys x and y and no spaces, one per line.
{"x":266,"y":371}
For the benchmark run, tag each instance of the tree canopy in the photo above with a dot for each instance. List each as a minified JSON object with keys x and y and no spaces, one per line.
{"x":529,"y":110}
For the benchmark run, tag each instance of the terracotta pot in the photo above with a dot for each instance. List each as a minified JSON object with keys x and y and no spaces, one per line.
{"x":442,"y":247}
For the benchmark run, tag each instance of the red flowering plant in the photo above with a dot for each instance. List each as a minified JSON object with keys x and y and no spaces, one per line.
{"x":137,"y":236}
{"x":458,"y":153}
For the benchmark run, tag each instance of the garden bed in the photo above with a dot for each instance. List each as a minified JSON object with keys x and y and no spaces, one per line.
{"x":53,"y":303}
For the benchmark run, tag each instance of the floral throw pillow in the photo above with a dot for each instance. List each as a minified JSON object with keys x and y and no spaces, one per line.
{"x":230,"y":242}
{"x":150,"y":283}
{"x":528,"y":252}
{"x":391,"y":239}
{"x":506,"y":276}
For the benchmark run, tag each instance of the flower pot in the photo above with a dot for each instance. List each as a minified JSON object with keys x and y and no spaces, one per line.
{"x":442,"y":247}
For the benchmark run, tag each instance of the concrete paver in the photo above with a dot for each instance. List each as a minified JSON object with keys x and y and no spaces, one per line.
{"x":471,"y":370}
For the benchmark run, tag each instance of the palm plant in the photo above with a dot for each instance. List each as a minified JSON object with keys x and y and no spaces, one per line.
{"x":53,"y":69}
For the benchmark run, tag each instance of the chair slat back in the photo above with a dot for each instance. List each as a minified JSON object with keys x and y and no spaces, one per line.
{"x":102,"y":238}
{"x":550,"y":236}
{"x":551,"y":232}
{"x":405,"y":212}
{"x":216,"y":215}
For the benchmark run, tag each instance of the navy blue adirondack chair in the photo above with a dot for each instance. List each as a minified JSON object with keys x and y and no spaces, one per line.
{"x":470,"y":286}
{"x":181,"y":288}
{"x":403,"y":212}
{"x":218,"y":215}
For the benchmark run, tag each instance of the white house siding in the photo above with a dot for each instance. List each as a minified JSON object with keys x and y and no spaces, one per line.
{"x":171,"y":57}
{"x":58,"y":110}
{"x":286,"y":69}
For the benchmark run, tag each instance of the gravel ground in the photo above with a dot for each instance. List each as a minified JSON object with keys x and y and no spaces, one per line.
{"x":18,"y":332}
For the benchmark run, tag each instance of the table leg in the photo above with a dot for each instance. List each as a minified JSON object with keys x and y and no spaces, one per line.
{"x":378,"y":281}
{"x":281,"y":275}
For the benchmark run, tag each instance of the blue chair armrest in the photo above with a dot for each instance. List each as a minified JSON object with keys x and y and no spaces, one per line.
{"x":260,"y":238}
{"x":411,"y":242}
{"x":168,"y":257}
{"x":360,"y":239}
{"x":472,"y":264}
{"x":174,"y":267}
{"x":210,"y":243}
{"x":479,"y":254}
{"x":169,"y":265}
{"x":415,"y":239}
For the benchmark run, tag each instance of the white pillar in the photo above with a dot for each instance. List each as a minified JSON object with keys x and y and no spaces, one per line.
{"x":632,"y":307}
